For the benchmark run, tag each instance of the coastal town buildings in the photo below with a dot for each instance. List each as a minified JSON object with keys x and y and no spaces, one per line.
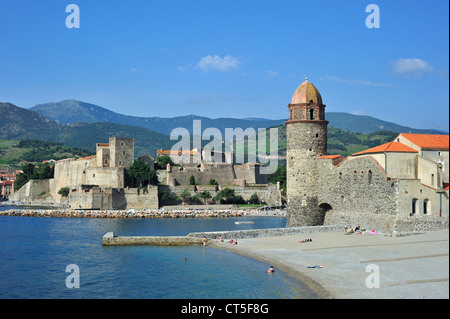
{"x":7,"y":179}
{"x":401,"y":185}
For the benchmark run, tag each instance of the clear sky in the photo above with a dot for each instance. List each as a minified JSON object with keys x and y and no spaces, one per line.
{"x":232,"y":58}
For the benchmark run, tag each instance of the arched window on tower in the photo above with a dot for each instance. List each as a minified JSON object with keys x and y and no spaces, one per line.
{"x":311,"y":114}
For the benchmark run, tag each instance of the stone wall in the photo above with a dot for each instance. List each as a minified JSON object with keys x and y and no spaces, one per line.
{"x":266,"y":193}
{"x":110,"y":240}
{"x":269,"y":232}
{"x":92,"y":197}
{"x":357,"y":192}
{"x":143,"y":199}
{"x":223,"y":173}
{"x":32,"y":189}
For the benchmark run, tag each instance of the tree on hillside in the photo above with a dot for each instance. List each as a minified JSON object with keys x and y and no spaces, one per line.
{"x":33,"y":171}
{"x":141,"y":174}
{"x":227,"y":196}
{"x":185,"y":196}
{"x":205,"y":195}
{"x":162,"y":161}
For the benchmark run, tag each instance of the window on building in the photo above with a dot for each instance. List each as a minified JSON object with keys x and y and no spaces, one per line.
{"x":311,"y":114}
{"x":370,"y":177}
{"x":432,"y":179}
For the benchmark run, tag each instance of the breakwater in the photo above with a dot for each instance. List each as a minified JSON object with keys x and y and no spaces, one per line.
{"x":110,"y":240}
{"x":191,"y":213}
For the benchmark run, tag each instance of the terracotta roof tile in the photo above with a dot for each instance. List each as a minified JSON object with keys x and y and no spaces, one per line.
{"x":388,"y":147}
{"x":428,"y":140}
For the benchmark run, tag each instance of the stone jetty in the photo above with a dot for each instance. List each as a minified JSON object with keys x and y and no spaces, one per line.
{"x":131,"y":213}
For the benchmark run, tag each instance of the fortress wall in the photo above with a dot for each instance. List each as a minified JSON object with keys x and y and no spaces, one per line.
{"x":104,"y":176}
{"x":31,"y":190}
{"x":71,"y":172}
{"x":143,"y":200}
{"x":222,"y":173}
{"x":267,"y":193}
{"x":250,"y":172}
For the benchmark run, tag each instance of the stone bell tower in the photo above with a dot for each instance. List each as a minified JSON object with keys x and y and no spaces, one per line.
{"x":306,"y":134}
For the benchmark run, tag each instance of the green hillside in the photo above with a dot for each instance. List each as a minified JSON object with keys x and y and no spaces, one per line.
{"x":340,"y":142}
{"x":13,"y":153}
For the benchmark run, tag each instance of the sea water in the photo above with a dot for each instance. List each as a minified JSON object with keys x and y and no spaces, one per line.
{"x":35,"y":251}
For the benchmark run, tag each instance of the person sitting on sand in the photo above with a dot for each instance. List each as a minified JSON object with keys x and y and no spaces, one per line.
{"x":270,"y":270}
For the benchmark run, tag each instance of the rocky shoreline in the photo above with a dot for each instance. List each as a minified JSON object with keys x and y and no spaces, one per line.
{"x":197,"y":213}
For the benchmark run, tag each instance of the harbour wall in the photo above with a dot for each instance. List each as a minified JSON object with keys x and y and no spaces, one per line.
{"x":110,"y":240}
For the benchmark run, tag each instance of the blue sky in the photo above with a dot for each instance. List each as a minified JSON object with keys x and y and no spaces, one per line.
{"x":233,"y":58}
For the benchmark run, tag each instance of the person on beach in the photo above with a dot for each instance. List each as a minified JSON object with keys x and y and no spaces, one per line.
{"x":270,"y":270}
{"x":305,"y":240}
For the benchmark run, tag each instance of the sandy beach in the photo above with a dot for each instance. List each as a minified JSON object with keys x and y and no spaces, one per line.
{"x":406,"y":267}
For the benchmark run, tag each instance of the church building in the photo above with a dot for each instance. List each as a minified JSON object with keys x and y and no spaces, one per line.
{"x":399,"y":186}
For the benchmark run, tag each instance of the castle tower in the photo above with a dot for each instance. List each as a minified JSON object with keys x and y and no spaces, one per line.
{"x":306,"y":134}
{"x":121,"y":151}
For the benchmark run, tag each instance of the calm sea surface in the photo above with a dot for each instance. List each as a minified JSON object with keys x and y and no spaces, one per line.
{"x":35,"y":251}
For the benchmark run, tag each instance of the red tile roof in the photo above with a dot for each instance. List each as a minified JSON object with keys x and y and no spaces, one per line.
{"x":428,"y":140}
{"x":330,"y":156}
{"x":388,"y":147}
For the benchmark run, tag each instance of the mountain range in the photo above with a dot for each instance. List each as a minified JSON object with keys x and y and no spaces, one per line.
{"x":72,"y":111}
{"x":82,"y":125}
